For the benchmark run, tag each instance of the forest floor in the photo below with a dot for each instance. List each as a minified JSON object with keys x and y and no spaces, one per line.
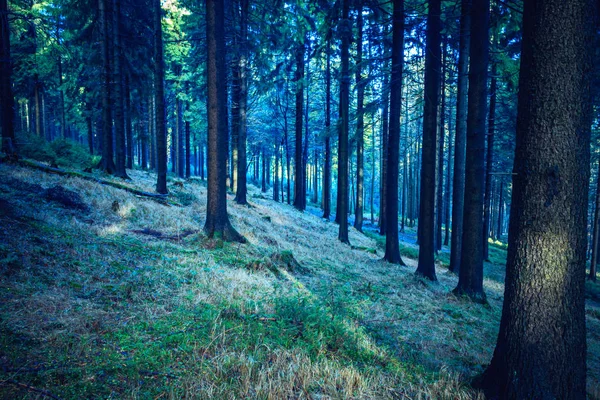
{"x":105,"y":294}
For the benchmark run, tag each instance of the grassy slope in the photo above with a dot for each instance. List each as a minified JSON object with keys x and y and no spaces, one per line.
{"x":92,"y":309}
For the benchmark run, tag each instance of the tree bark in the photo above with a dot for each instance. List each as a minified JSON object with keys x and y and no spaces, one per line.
{"x":489,"y":165}
{"x":107,"y":163}
{"x":342,"y":211}
{"x":360,"y":123}
{"x":7,"y":107}
{"x":440,"y":155}
{"x":128,"y":126}
{"x":120,"y":149}
{"x":217,"y":220}
{"x":460,"y":138}
{"x":470,"y":278}
{"x":299,"y":168}
{"x":392,"y":248}
{"x":384,"y":147}
{"x":160,"y":130}
{"x":426,"y":266}
{"x":327,"y":161}
{"x":541,"y":347}
{"x":595,"y":230}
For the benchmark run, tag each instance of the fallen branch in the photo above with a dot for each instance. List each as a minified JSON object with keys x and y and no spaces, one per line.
{"x":160,"y":198}
{"x":30,"y":388}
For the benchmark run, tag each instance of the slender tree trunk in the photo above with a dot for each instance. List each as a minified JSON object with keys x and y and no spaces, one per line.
{"x":460,"y":139}
{"x":119,"y":104}
{"x":241,"y":189}
{"x":448,"y":183}
{"x":384,"y":147}
{"x":342,"y":211}
{"x":426,"y":266}
{"x":276,"y":173}
{"x":107,"y":163}
{"x":541,"y":348}
{"x":299,"y":186}
{"x":36,"y":97}
{"x":327,"y":162}
{"x":159,"y":100}
{"x":470,"y":278}
{"x":392,"y":248}
{"x":595,"y":230}
{"x":217,"y":220}
{"x":128,"y":126}
{"x":360,"y":124}
{"x":440,"y":155}
{"x":489,"y":164}
{"x":7,"y":103}
{"x":500,"y":210}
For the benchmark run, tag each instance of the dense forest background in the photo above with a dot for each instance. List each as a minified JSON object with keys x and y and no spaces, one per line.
{"x":399,"y":127}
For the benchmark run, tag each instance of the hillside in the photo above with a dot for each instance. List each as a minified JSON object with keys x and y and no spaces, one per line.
{"x":106,"y":294}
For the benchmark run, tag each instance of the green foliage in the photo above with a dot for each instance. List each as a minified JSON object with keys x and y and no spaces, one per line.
{"x":62,"y":152}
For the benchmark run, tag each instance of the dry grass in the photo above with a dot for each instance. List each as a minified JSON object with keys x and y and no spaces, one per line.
{"x":93,"y":309}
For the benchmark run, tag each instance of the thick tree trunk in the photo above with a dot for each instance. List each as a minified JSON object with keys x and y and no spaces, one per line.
{"x":217,"y":220}
{"x":299,"y":168}
{"x":160,"y":130}
{"x":392,"y":248}
{"x":460,"y":138}
{"x":360,"y":124}
{"x":7,"y":103}
{"x":470,"y":278}
{"x":342,"y":211}
{"x":426,"y":266}
{"x":541,"y":348}
{"x":107,"y":163}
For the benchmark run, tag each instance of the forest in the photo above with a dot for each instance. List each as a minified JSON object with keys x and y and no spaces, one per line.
{"x":299,"y":199}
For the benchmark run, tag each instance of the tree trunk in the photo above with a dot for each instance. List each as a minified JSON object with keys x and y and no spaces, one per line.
{"x":128,"y":126}
{"x":360,"y":123}
{"x":440,"y":156}
{"x":7,"y":103}
{"x":460,"y":138}
{"x":489,"y":164}
{"x":541,"y":348}
{"x":342,"y":211}
{"x":242,"y":189}
{"x":217,"y":220}
{"x":595,"y":229}
{"x":384,"y":147}
{"x":276,"y":173}
{"x":159,"y":100}
{"x":120,"y":149}
{"x":470,"y":278}
{"x":426,"y":266}
{"x":299,"y":186}
{"x":392,"y":248}
{"x":327,"y":162}
{"x":107,"y":163}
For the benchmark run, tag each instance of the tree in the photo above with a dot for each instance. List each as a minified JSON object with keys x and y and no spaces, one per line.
{"x":460,"y":138}
{"x":470,"y":277}
{"x":342,"y":210}
{"x":242,"y":189}
{"x":159,"y":100}
{"x":6,"y":94}
{"x":595,"y":229}
{"x":217,"y":220}
{"x":360,"y":123}
{"x":426,"y":266}
{"x":120,"y":149}
{"x":107,"y":163}
{"x":327,"y":163}
{"x":541,"y":347}
{"x":392,"y":248}
{"x":299,"y":167}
